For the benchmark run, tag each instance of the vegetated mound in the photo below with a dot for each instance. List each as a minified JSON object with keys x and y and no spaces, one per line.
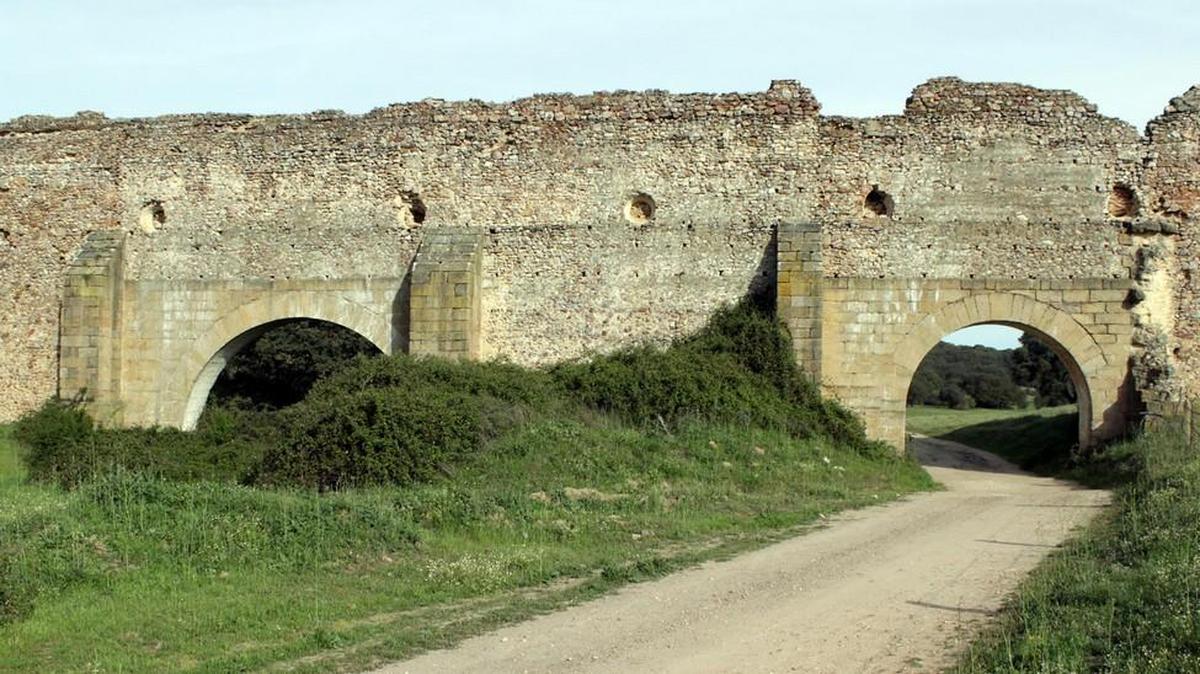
{"x":401,"y":419}
{"x":488,"y":477}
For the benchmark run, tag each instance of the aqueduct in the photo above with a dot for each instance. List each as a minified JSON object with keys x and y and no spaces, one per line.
{"x":139,"y":255}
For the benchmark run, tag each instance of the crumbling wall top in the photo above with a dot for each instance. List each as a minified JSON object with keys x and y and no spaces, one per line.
{"x":1179,"y":120}
{"x":953,"y":96}
{"x":1189,"y":101}
{"x":785,"y":98}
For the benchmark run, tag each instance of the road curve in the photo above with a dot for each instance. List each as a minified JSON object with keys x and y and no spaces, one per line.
{"x":894,"y":588}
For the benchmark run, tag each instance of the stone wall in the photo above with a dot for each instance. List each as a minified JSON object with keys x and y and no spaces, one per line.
{"x":1171,"y":191}
{"x":603,"y":219}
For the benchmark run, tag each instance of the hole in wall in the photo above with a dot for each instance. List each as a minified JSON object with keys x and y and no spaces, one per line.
{"x":639,"y":208}
{"x":5,"y":239}
{"x":415,"y":206}
{"x":1122,"y":201}
{"x":878,"y":203}
{"x":151,"y":216}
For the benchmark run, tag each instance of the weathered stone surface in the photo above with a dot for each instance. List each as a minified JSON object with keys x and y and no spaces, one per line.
{"x":596,"y":221}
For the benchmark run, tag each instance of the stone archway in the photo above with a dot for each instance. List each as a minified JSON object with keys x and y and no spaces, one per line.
{"x":1079,"y":351}
{"x":864,"y":339}
{"x":200,"y":368}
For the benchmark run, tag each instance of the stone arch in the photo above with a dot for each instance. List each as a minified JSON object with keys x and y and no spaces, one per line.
{"x":1083,"y":357}
{"x":199,"y":369}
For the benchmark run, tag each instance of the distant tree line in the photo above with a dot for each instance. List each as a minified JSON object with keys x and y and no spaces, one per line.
{"x":963,"y":377}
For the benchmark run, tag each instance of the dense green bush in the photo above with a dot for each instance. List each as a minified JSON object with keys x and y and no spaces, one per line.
{"x":403,"y":419}
{"x":53,"y":437}
{"x":62,"y":446}
{"x":495,"y":379}
{"x":739,"y":368}
{"x":279,"y":367}
{"x":393,"y":435}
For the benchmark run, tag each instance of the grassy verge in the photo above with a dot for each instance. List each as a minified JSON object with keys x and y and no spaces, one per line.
{"x":1125,"y":595}
{"x":142,"y":574}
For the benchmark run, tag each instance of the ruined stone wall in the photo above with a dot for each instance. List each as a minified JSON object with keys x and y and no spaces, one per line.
{"x":55,"y":188}
{"x":606,"y":219}
{"x":1170,"y":265}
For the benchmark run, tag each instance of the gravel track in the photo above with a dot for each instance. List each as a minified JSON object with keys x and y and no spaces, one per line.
{"x":895,"y":588}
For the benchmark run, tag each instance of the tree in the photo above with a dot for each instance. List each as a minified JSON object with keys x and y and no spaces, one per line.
{"x":1036,"y":366}
{"x":963,"y":377}
{"x":278,"y":368}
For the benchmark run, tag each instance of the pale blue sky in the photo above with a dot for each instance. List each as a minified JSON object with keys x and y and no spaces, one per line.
{"x":860,"y":57}
{"x":995,"y":336}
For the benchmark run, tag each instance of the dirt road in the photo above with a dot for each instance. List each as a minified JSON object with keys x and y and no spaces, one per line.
{"x":894,"y":588}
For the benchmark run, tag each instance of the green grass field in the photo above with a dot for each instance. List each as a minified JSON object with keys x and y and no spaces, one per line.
{"x":133,"y":573}
{"x":939,"y":421}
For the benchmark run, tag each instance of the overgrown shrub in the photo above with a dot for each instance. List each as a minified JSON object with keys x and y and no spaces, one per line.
{"x":279,"y":367}
{"x":401,"y":420}
{"x":495,"y":379}
{"x":52,"y":438}
{"x":396,"y":435}
{"x":62,"y":446}
{"x":740,"y":368}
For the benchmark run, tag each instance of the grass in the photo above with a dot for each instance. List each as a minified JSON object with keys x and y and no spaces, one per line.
{"x":1122,"y":597}
{"x":12,"y":472}
{"x":1125,"y":595}
{"x":1039,"y":440}
{"x":135,"y":573}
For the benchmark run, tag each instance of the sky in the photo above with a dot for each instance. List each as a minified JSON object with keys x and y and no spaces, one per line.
{"x":132,"y":58}
{"x":995,"y":336}
{"x":860,"y":57}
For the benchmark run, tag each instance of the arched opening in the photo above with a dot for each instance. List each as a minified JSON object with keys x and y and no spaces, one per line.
{"x":1004,"y":388}
{"x":273,"y":365}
